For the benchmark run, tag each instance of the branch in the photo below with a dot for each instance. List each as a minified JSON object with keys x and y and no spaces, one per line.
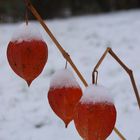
{"x":128,"y":71}
{"x":63,"y":52}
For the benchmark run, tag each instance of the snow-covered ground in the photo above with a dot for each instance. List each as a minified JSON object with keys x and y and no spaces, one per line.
{"x":25,"y":113}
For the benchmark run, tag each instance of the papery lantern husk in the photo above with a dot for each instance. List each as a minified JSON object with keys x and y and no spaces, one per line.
{"x":63,"y":101}
{"x":95,"y":121}
{"x":27,"y":58}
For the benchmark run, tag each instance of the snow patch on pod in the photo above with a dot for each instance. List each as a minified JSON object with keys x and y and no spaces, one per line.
{"x":26,"y":33}
{"x":96,"y":94}
{"x":63,"y":79}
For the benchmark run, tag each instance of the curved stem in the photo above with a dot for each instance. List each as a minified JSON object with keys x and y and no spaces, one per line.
{"x":128,"y":71}
{"x":95,"y":77}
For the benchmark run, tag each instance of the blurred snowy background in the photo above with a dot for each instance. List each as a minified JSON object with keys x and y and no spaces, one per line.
{"x":25,"y":113}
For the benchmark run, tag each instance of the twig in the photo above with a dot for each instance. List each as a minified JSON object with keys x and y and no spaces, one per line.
{"x":66,"y":65}
{"x":26,"y":13}
{"x":64,"y":53}
{"x":128,"y":71}
{"x":119,"y":134}
{"x":95,"y":77}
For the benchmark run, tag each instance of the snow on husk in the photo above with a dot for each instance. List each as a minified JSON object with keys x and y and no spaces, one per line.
{"x":96,"y":94}
{"x":63,"y":78}
{"x":25,"y":113}
{"x":26,"y":33}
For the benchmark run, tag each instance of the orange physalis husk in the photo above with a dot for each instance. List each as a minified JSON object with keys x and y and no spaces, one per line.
{"x":64,"y":94}
{"x":95,"y":114}
{"x":27,"y":56}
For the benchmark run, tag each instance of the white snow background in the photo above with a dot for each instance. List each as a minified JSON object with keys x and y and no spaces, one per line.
{"x":25,"y":113}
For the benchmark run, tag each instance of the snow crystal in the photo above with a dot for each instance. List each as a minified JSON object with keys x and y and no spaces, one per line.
{"x":63,"y":78}
{"x":26,"y":33}
{"x":96,"y":94}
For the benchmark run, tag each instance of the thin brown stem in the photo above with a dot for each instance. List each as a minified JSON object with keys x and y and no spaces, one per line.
{"x":95,"y":77}
{"x":26,"y":16}
{"x":128,"y":71}
{"x":26,"y":13}
{"x":66,"y":65}
{"x":119,"y":61}
{"x":102,"y":58}
{"x":119,"y":134}
{"x":64,"y":53}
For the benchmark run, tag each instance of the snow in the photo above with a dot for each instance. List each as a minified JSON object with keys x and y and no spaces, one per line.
{"x":25,"y":113}
{"x":96,"y":94}
{"x":26,"y":33}
{"x":63,"y":78}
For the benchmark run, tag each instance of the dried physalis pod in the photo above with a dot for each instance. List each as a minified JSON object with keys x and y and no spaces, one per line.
{"x":95,"y":114}
{"x":27,"y":53}
{"x":64,"y":94}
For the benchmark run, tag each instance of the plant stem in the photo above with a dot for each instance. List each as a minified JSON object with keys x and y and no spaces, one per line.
{"x":64,"y":53}
{"x":26,"y":13}
{"x":66,"y":65}
{"x":128,"y":71}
